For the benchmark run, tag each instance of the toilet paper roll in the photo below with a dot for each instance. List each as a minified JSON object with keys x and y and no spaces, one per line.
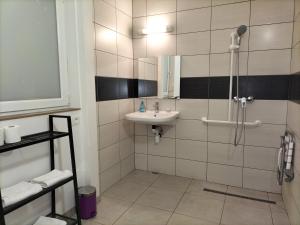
{"x":1,"y":136}
{"x":12,"y":134}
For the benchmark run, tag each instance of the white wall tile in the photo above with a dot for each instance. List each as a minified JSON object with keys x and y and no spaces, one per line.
{"x":296,"y":33}
{"x":161,"y":164}
{"x":140,"y":144}
{"x":158,"y":6}
{"x":192,"y":4}
{"x":125,"y":67}
{"x":109,"y":177}
{"x":141,"y":162}
{"x":161,"y":44}
{"x":223,"y":134}
{"x":111,"y":2}
{"x":124,"y":46}
{"x":293,"y":119}
{"x":261,"y":180}
{"x":109,"y":156}
{"x":137,"y":25}
{"x":166,"y":19}
{"x":229,"y":175}
{"x":140,"y":129}
{"x":220,"y":40}
{"x":125,"y":6}
{"x":108,"y":111}
{"x":106,"y":39}
{"x":186,"y":20}
{"x":271,"y":62}
{"x":105,"y":14}
{"x":127,"y":165}
{"x":268,"y":111}
{"x":126,"y":129}
{"x":193,"y":150}
{"x":276,"y":36}
{"x":296,"y":59}
{"x":109,"y":134}
{"x":222,"y":2}
{"x":267,"y":135}
{"x":195,"y":66}
{"x":124,"y":23}
{"x":191,"y":129}
{"x":229,"y":16}
{"x":107,"y":64}
{"x":191,"y":169}
{"x":139,"y":8}
{"x":276,"y":11}
{"x":139,"y":48}
{"x":166,"y":147}
{"x":192,"y":108}
{"x":126,"y":147}
{"x":125,"y":106}
{"x":218,"y":109}
{"x":168,"y":131}
{"x":220,"y":64}
{"x":225,"y":154}
{"x":193,"y":43}
{"x":260,"y":158}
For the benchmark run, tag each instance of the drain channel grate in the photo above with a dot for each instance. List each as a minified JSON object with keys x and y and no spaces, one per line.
{"x":239,"y":196}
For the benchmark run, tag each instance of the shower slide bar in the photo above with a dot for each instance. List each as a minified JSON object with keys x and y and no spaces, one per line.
{"x":231,"y":123}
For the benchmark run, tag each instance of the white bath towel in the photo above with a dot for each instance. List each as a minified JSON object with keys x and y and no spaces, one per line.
{"x":18,"y":192}
{"x":49,"y":221}
{"x":52,"y":178}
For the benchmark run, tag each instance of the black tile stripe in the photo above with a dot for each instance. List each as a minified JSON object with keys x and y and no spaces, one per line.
{"x":270,"y":87}
{"x":110,"y":88}
{"x":264,"y":87}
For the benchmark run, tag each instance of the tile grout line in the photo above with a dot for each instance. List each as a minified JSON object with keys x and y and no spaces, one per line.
{"x":131,"y":205}
{"x":185,"y":191}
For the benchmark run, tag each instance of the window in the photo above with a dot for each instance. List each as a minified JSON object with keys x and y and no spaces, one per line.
{"x":33,"y":64}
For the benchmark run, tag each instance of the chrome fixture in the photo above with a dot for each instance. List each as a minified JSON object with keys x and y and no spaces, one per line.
{"x":156,"y":107}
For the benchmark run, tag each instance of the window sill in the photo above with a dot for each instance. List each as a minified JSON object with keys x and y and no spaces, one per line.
{"x":39,"y":113}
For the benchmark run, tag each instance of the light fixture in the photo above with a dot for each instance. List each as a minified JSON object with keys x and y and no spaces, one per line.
{"x":158,"y":29}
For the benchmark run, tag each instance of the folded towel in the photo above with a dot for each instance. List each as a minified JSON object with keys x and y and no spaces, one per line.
{"x":49,"y":221}
{"x":19,"y":192}
{"x":52,"y":178}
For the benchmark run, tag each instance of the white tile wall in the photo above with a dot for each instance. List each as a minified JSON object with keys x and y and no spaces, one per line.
{"x":114,"y":58}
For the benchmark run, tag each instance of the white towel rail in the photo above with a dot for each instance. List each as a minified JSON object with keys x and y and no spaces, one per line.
{"x":231,"y":123}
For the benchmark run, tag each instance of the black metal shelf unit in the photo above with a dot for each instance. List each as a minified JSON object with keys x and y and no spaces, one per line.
{"x":33,"y":139}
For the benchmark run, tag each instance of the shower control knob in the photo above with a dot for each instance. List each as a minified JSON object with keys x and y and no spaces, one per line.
{"x":250,"y":99}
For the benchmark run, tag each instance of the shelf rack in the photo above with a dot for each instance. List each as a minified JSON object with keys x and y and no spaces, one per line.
{"x":33,"y":139}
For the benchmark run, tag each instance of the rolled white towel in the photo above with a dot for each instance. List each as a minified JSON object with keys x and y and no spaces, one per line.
{"x":18,"y":192}
{"x":49,"y":221}
{"x":52,"y":178}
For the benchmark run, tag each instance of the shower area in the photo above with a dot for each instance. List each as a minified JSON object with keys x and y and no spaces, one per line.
{"x":225,"y":159}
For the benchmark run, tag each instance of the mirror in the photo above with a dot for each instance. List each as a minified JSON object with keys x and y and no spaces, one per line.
{"x":163,"y":69}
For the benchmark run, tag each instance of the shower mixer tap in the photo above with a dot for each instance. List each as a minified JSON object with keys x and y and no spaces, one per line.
{"x":243,"y":100}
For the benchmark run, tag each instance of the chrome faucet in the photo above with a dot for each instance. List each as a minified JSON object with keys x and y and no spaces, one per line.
{"x":156,"y":107}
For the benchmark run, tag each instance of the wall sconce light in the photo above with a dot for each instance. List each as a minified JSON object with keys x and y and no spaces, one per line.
{"x":158,"y":29}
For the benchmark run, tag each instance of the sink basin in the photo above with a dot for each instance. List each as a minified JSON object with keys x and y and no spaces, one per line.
{"x":153,"y":118}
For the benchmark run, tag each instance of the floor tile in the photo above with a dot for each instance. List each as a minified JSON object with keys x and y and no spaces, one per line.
{"x":279,"y":216}
{"x":109,"y":210}
{"x":172,"y":183}
{"x":144,"y":215}
{"x":90,"y":222}
{"x":203,"y":206}
{"x":160,"y":198}
{"x":275,"y":197}
{"x":141,"y":177}
{"x":127,"y":191}
{"x":239,"y":211}
{"x":248,"y":193}
{"x":178,"y":219}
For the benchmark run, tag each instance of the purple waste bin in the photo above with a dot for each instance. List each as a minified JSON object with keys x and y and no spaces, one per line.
{"x":87,"y":199}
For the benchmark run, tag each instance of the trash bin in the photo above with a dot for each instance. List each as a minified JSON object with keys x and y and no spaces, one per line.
{"x":87,"y":199}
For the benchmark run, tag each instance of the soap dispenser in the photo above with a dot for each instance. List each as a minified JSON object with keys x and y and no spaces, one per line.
{"x":142,"y":107}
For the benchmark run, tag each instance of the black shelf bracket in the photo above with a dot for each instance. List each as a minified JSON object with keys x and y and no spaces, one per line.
{"x":37,"y":138}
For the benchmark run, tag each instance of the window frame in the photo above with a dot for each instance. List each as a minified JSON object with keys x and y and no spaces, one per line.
{"x":33,"y":104}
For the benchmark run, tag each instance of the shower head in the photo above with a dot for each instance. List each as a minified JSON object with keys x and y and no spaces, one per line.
{"x":241,"y":30}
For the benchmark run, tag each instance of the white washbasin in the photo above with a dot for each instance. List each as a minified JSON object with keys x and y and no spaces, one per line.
{"x":153,"y":118}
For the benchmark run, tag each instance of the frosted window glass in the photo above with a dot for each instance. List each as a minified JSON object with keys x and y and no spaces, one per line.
{"x":29,"y":62}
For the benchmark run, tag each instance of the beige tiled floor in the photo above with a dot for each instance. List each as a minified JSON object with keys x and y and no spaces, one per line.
{"x":144,"y":198}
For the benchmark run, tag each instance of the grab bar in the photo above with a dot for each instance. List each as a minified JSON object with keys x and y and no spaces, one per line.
{"x":231,"y":123}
